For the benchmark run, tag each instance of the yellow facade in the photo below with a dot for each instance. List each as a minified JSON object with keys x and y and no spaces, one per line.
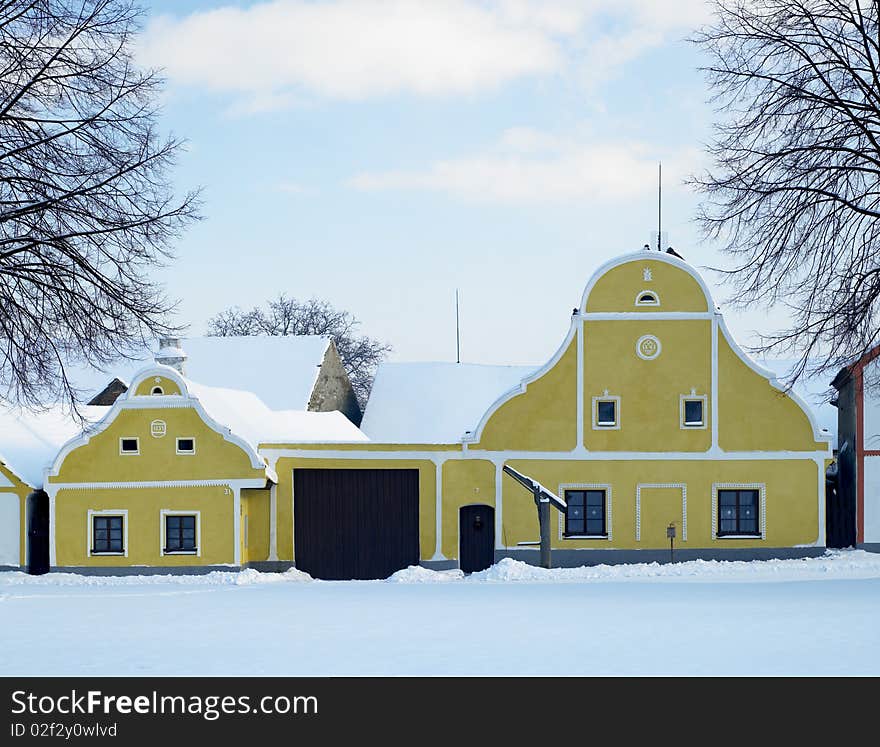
{"x":142,"y":509}
{"x":255,"y":532}
{"x":648,"y":336}
{"x":158,"y":454}
{"x":646,"y":340}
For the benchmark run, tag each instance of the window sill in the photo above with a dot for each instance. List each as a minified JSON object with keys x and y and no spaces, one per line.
{"x":738,"y":536}
{"x":585,"y":536}
{"x":693,"y":425}
{"x":606,"y":425}
{"x":180,"y":552}
{"x":102,"y":552}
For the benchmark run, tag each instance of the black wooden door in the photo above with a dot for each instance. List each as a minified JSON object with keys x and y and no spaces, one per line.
{"x":840,"y":514}
{"x":355,"y":523}
{"x":38,"y":533}
{"x":476,"y":537}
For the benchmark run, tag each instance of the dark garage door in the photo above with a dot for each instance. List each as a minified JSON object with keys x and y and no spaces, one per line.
{"x":355,"y":523}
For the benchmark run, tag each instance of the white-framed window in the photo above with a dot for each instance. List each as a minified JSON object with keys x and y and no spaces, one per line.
{"x":186,"y":445}
{"x":692,"y":410}
{"x":129,"y":446}
{"x":180,"y":532}
{"x":647,"y":298}
{"x":157,"y":391}
{"x":107,"y":532}
{"x":588,"y":512}
{"x":739,"y":511}
{"x":606,"y":412}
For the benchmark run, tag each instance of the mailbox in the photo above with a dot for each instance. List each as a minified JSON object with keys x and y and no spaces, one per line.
{"x":670,"y":531}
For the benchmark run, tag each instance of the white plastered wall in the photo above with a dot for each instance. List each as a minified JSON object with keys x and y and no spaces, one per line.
{"x":10,"y":529}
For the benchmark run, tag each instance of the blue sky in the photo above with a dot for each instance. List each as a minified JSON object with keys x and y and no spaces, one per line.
{"x":381,"y":153}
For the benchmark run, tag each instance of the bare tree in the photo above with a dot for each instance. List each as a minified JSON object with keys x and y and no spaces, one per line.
{"x":86,"y":207}
{"x":794,"y":191}
{"x":284,"y":315}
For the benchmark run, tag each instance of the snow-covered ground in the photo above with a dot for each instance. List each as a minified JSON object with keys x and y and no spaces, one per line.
{"x":816,"y":616}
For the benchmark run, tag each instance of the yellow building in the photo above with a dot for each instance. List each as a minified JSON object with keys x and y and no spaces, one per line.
{"x":648,"y":415}
{"x":648,"y":419}
{"x":169,"y":479}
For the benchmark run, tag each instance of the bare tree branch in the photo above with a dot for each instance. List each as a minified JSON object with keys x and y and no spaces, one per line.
{"x":284,"y":315}
{"x":794,"y":192}
{"x":87,"y":210}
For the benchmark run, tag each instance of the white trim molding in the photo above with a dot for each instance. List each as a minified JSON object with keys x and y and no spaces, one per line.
{"x":586,"y":486}
{"x":681,"y":486}
{"x":90,"y":514}
{"x":597,"y":426}
{"x":165,"y":512}
{"x":762,"y":510}
{"x":641,"y":257}
{"x":499,"y":521}
{"x":648,"y":347}
{"x":692,"y":397}
{"x":273,"y":522}
{"x":438,"y":509}
{"x":130,"y":401}
{"x":247,"y":483}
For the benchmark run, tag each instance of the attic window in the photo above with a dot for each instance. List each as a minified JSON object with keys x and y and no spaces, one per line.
{"x":647,"y":298}
{"x":157,"y":390}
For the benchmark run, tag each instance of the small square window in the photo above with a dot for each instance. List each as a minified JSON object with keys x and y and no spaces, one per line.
{"x":186,"y":446}
{"x":693,"y":412}
{"x":606,"y":412}
{"x":129,"y":446}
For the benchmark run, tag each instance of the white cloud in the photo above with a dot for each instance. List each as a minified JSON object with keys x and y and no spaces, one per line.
{"x":272,"y":53}
{"x":528,"y":166}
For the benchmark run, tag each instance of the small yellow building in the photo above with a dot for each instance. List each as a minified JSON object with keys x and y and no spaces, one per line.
{"x":170,"y":479}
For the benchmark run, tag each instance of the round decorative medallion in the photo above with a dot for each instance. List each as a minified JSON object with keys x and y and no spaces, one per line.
{"x":648,"y":347}
{"x":158,"y":428}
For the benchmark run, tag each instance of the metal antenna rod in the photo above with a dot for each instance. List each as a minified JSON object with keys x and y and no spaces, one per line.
{"x":457,"y":332}
{"x":659,"y":202}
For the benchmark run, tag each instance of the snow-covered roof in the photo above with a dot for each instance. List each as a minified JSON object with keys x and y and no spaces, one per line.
{"x":29,"y":441}
{"x":246,"y":415}
{"x":282,"y":371}
{"x":434,"y":403}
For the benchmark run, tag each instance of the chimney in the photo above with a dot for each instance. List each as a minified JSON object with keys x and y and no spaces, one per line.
{"x":171,"y":354}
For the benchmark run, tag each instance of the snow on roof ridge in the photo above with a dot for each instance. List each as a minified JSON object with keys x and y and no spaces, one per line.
{"x":281,"y":370}
{"x":434,"y":402}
